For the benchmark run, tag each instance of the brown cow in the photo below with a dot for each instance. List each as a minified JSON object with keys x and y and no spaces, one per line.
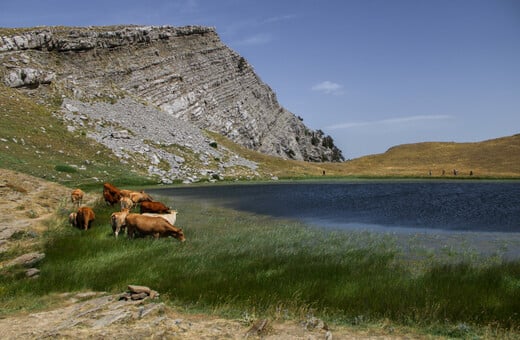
{"x":111,"y":194}
{"x":84,"y":217}
{"x":148,"y":225}
{"x":117,"y":220}
{"x":76,"y":196}
{"x":154,"y":207}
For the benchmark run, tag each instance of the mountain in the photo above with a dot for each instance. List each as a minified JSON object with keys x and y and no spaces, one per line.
{"x":116,"y":80}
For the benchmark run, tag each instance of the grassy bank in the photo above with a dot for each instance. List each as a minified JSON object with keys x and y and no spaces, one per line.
{"x":238,"y":264}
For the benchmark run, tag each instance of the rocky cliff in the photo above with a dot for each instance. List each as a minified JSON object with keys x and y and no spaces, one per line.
{"x":184,"y":72}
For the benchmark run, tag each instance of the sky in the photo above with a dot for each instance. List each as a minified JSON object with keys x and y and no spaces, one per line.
{"x":371,"y":73}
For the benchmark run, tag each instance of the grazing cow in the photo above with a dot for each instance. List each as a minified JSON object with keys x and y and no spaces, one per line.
{"x":117,"y":220}
{"x":72,"y":219}
{"x":139,"y":197}
{"x":76,"y":196}
{"x":171,"y":217}
{"x":84,"y":217}
{"x":126,"y":203}
{"x":111,"y":194}
{"x":154,"y":207}
{"x":125,"y":192}
{"x":148,"y":225}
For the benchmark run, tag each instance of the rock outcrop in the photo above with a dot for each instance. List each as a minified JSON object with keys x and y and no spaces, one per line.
{"x":186,"y":72}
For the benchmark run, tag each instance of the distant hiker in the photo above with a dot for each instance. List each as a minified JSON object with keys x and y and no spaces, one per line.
{"x":471,"y":172}
{"x":323,"y":172}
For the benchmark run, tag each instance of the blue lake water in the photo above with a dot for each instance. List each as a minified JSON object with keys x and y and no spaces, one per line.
{"x":376,"y":205}
{"x":426,"y":218}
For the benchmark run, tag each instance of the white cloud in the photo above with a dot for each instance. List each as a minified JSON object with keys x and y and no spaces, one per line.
{"x":328,"y":87}
{"x":280,"y":18}
{"x":257,"y":39}
{"x":390,"y":121}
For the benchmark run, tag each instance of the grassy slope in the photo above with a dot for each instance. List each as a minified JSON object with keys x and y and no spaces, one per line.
{"x":492,"y":158}
{"x":35,"y":142}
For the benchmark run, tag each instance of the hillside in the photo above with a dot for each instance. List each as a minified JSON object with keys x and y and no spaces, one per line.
{"x":169,"y":75}
{"x":491,"y":158}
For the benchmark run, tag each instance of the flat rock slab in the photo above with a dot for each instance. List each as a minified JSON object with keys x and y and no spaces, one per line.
{"x":104,"y":317}
{"x":27,"y":260}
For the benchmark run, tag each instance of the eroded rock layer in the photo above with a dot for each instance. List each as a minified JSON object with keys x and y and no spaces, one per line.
{"x":185,"y":71}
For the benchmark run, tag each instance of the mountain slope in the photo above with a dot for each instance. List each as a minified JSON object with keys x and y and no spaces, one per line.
{"x":186,"y":72}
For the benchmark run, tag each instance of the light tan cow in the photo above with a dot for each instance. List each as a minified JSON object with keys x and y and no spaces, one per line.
{"x":140,"y":196}
{"x":76,"y":196}
{"x":126,"y":203}
{"x":72,"y":219}
{"x":118,"y":221}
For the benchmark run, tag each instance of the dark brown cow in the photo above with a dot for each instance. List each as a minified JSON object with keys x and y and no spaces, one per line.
{"x":155,"y":226}
{"x":154,"y":207}
{"x":111,"y":194}
{"x":84,"y":218}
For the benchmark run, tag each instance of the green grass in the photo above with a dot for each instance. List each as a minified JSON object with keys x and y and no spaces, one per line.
{"x":35,"y":142}
{"x":234,"y":263}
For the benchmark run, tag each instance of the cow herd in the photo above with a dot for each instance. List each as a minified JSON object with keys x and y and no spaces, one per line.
{"x":154,"y":218}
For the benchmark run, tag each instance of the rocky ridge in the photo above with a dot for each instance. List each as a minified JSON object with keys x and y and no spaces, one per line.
{"x":184,"y":73}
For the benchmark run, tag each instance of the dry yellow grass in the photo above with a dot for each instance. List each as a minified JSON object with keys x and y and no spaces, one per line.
{"x":496,"y":158}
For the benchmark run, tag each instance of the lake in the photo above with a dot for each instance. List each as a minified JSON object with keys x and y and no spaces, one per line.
{"x":479,"y":209}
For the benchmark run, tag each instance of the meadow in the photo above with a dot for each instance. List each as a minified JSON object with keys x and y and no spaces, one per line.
{"x":246,"y":266}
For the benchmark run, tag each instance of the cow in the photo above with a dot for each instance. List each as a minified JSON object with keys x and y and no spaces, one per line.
{"x":126,"y":203}
{"x":148,"y":225}
{"x":76,"y":196}
{"x":84,"y":217}
{"x":139,"y":197}
{"x":111,"y":194}
{"x":117,"y":220}
{"x":171,"y":217}
{"x":125,"y":192}
{"x":72,"y":219}
{"x":154,"y":207}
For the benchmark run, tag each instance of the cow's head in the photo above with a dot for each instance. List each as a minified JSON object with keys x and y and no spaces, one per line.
{"x":179,"y":234}
{"x":145,"y":197}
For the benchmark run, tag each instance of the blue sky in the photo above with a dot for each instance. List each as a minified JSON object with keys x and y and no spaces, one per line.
{"x":371,"y":73}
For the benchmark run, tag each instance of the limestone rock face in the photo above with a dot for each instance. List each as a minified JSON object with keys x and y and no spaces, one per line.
{"x":187,"y":72}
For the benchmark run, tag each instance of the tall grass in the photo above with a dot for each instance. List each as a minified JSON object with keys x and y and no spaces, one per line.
{"x":235,"y":262}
